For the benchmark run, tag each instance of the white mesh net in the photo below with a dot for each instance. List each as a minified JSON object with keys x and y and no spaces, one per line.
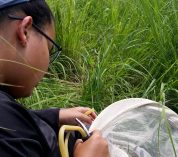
{"x":139,"y":128}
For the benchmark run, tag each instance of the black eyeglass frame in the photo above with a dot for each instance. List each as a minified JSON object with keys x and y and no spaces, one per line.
{"x":59,"y":48}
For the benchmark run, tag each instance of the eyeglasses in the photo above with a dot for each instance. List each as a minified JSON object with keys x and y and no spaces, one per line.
{"x":56,"y":49}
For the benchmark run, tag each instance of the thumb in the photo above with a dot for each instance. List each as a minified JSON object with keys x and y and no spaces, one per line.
{"x":78,"y":143}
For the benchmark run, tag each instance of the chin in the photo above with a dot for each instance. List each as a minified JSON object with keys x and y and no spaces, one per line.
{"x":20,"y":92}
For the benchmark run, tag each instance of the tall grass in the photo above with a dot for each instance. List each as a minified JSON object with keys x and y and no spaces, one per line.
{"x":112,"y":50}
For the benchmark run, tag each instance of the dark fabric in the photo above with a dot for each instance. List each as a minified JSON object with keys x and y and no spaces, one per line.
{"x":50,"y":116}
{"x":25,"y":133}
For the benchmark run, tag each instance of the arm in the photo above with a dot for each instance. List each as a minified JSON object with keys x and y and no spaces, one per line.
{"x":18,"y":134}
{"x":50,"y":116}
{"x":11,"y":147}
{"x":57,"y":117}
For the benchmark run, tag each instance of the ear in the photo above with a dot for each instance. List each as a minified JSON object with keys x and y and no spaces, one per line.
{"x":23,"y":30}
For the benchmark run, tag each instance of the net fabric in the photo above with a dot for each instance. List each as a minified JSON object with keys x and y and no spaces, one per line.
{"x":139,"y":128}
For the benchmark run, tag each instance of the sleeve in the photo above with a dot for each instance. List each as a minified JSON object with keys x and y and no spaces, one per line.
{"x":50,"y":116}
{"x":19,"y":147}
{"x":18,"y":136}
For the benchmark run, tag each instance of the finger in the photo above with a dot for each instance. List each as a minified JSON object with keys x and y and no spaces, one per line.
{"x":78,"y":143}
{"x":83,"y":109}
{"x":90,"y":112}
{"x":96,"y":133}
{"x":84,"y":118}
{"x":93,"y":115}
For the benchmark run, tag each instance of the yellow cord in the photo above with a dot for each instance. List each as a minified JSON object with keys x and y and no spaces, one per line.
{"x":63,"y":144}
{"x":66,"y":143}
{"x":89,"y":111}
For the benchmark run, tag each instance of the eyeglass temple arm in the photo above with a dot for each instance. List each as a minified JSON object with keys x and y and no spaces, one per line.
{"x":38,"y":29}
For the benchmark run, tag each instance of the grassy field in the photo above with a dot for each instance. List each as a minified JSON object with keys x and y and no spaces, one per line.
{"x":112,"y":50}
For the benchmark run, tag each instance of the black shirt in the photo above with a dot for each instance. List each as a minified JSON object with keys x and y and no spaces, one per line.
{"x":27,"y":133}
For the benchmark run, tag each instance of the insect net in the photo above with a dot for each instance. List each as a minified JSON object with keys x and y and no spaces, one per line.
{"x":138,"y":127}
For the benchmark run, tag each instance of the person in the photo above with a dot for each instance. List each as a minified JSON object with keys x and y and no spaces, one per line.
{"x":26,"y":38}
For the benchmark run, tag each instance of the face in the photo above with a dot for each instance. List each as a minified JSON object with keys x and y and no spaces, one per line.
{"x":33,"y":54}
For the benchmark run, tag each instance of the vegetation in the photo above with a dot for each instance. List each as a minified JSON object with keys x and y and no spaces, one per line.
{"x":112,"y":50}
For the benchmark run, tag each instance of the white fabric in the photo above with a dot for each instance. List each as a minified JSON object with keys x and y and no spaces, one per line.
{"x":138,"y":127}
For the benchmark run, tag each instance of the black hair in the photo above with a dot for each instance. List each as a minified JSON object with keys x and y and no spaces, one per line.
{"x":37,"y":9}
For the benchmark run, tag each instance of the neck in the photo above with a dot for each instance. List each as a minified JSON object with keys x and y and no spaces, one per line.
{"x":5,"y":54}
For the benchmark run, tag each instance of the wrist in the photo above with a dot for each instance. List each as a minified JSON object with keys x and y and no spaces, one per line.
{"x":62,"y":116}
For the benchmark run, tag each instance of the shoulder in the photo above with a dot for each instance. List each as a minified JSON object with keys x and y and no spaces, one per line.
{"x":18,"y":131}
{"x":13,"y":116}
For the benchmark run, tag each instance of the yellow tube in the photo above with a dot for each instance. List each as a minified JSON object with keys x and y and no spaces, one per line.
{"x":66,"y":143}
{"x":62,"y":145}
{"x":89,"y":111}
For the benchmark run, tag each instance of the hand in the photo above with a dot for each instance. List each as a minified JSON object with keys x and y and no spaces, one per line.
{"x":95,"y":146}
{"x":67,"y":116}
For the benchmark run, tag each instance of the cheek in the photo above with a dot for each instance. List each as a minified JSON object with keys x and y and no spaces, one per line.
{"x":39,"y":55}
